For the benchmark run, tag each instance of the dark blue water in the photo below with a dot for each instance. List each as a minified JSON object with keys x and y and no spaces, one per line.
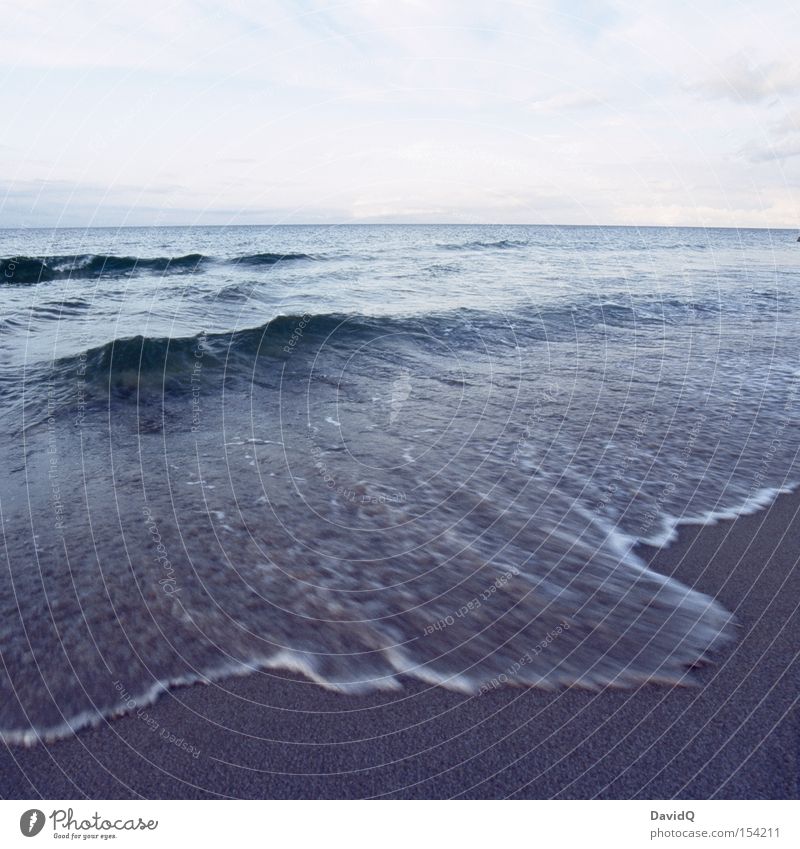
{"x":372,"y":452}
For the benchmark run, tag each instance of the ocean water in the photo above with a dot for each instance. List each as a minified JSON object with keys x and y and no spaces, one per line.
{"x":366,"y":453}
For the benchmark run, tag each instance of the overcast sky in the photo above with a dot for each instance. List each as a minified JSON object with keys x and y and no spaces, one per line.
{"x":400,"y":110}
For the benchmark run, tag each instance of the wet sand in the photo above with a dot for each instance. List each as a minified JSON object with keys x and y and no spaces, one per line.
{"x":732,"y":733}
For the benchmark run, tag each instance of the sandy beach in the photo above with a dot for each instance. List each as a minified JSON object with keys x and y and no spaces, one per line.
{"x":732,"y":733}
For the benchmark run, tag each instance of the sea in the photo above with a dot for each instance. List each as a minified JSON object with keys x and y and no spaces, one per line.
{"x":368,"y":454}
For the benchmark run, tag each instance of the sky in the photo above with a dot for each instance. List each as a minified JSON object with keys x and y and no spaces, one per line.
{"x":296,"y":111}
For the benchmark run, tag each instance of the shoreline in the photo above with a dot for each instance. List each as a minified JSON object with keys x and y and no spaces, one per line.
{"x":733,"y":734}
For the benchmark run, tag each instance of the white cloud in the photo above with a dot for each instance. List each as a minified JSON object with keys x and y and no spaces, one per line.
{"x":790,"y":123}
{"x":781,"y":149}
{"x":741,"y":80}
{"x":566,"y":101}
{"x":371,"y":109}
{"x":783,"y":142}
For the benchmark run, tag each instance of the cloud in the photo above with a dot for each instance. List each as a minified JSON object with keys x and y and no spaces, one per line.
{"x":785,"y":142}
{"x":566,"y":101}
{"x":790,"y":123}
{"x":784,"y":148}
{"x":741,"y":81}
{"x":270,"y":110}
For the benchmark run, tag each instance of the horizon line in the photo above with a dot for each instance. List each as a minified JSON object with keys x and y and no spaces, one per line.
{"x":396,"y":224}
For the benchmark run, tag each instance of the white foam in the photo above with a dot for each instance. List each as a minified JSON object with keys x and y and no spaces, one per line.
{"x":760,"y":500}
{"x":673,"y":635}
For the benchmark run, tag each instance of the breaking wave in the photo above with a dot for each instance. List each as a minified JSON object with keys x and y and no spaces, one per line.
{"x":25,"y":270}
{"x":272,"y":258}
{"x":501,"y":244}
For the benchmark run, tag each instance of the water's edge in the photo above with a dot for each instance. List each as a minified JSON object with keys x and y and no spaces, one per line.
{"x":294,"y":662}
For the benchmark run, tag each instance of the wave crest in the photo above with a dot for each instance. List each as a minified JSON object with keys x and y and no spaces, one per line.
{"x":501,"y":244}
{"x":25,"y":270}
